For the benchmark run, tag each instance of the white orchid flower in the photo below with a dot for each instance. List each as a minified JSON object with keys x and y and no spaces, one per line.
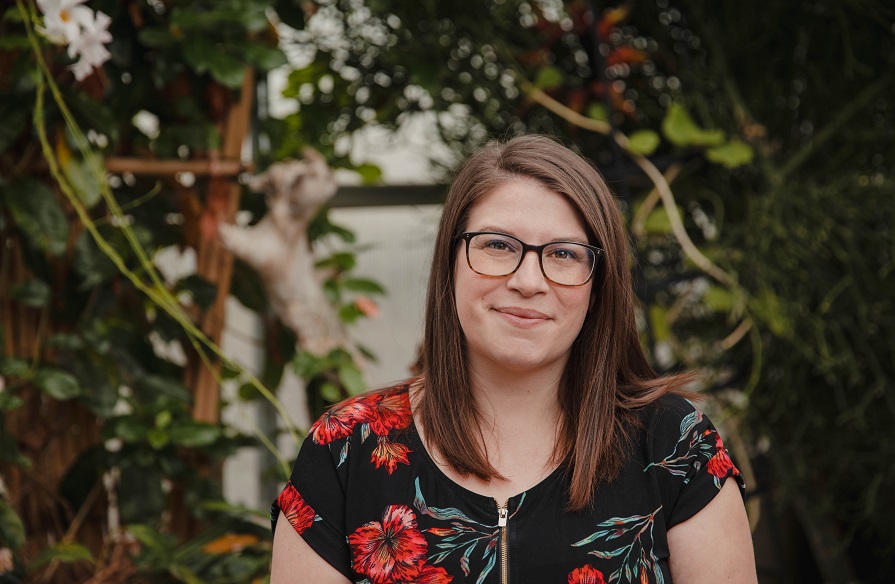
{"x":61,"y":19}
{"x":90,"y":44}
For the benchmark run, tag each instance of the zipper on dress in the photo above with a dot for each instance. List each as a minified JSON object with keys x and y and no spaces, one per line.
{"x":502,"y":516}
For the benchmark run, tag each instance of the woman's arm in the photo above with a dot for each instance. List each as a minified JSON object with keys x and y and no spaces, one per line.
{"x":715,"y":545}
{"x":295,"y":562}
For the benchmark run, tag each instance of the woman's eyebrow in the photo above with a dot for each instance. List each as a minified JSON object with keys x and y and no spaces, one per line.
{"x":504,"y":230}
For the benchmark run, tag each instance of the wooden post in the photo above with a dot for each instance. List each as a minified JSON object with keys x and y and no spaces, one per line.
{"x":214,"y":262}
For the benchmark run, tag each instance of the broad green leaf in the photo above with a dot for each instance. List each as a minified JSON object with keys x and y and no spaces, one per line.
{"x":198,"y":51}
{"x":12,"y":14}
{"x":67,"y":341}
{"x":127,"y":428}
{"x":202,"y":292}
{"x":151,"y":538}
{"x":363,"y":285}
{"x":35,"y":293}
{"x":153,"y":385}
{"x":8,"y":401}
{"x":204,"y":55}
{"x":13,"y":367}
{"x":369,"y":173}
{"x":290,"y":13}
{"x":349,"y":313}
{"x":330,"y":392}
{"x":156,"y":38}
{"x":263,"y":57}
{"x":14,"y":42}
{"x":91,"y":264}
{"x":307,"y":365}
{"x":767,"y":307}
{"x":657,"y":222}
{"x":184,"y":574}
{"x":67,"y":553}
{"x":193,"y":434}
{"x":340,"y":260}
{"x":681,"y":130}
{"x":597,"y":111}
{"x":352,"y":378}
{"x":718,"y":299}
{"x":548,"y":77}
{"x":82,"y":180}
{"x":731,"y":154}
{"x":158,"y":439}
{"x":643,"y":142}
{"x":58,"y":384}
{"x":12,"y":532}
{"x":163,"y":419}
{"x":36,"y":211}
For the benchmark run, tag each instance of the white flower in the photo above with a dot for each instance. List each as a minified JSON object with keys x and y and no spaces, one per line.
{"x":85,"y":32}
{"x":90,"y":44}
{"x":61,"y":19}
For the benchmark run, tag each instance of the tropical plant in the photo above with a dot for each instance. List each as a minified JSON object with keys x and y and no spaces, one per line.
{"x":123,"y":128}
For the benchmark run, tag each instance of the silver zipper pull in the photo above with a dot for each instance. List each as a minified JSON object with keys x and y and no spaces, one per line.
{"x":502,"y":513}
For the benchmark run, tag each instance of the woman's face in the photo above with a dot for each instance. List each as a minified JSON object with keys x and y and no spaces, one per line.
{"x":521,"y":322}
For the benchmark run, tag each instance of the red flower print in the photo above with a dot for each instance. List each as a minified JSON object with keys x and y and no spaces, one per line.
{"x":433,"y":575}
{"x":391,"y":551}
{"x":719,"y":464}
{"x":391,"y":412}
{"x":339,"y":421}
{"x":299,"y":513}
{"x":586,"y":575}
{"x":390,"y":454}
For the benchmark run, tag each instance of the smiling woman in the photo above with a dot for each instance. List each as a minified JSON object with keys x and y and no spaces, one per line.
{"x":538,"y":445}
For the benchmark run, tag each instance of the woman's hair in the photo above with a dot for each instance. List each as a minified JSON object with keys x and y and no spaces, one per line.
{"x":607,"y":376}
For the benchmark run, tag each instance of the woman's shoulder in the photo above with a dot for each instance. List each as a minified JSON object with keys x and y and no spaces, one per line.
{"x":671,"y":408}
{"x":378,"y":411}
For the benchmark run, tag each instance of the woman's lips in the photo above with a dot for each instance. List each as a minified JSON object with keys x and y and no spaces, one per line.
{"x":522,"y":316}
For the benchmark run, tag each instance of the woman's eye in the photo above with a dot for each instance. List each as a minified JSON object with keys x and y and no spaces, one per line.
{"x":564,"y":254}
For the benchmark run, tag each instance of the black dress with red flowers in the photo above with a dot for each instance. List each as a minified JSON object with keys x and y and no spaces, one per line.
{"x":366,"y":496}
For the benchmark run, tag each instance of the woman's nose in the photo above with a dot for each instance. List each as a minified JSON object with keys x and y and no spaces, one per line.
{"x":528,"y":277}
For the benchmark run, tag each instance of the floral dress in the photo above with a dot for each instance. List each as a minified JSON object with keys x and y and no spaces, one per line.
{"x":366,"y":496}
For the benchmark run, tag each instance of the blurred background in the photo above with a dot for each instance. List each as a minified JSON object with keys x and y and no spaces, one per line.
{"x":158,"y":369}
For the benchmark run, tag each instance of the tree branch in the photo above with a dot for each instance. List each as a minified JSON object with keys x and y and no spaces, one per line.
{"x":651,"y":171}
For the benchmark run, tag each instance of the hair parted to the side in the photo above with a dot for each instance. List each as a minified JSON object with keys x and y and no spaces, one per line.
{"x":607,"y":376}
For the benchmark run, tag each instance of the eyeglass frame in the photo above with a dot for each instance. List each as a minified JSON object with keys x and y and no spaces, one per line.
{"x":527,"y":247}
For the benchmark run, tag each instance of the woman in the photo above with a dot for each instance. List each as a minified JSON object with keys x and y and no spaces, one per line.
{"x":538,"y":446}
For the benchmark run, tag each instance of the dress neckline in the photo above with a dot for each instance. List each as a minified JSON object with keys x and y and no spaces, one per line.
{"x":486,"y":501}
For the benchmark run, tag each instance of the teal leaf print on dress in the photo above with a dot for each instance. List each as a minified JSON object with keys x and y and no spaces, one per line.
{"x":461,"y":536}
{"x":638,"y":561}
{"x":689,"y":449}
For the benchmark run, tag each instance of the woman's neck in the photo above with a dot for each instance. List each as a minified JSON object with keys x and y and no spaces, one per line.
{"x":509,"y":400}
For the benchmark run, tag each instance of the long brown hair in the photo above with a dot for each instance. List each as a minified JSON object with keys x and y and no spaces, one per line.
{"x":607,"y":376}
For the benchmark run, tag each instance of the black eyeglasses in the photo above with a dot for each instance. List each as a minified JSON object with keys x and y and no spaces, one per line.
{"x":567,"y":263}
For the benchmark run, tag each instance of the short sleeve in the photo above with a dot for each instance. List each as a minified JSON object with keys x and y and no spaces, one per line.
{"x":314,"y":501}
{"x":688,"y":459}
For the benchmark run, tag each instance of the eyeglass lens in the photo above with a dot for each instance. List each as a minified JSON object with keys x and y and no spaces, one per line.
{"x":565,"y":263}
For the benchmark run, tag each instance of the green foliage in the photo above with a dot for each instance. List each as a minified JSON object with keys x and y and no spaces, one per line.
{"x":681,"y":130}
{"x":644,"y":142}
{"x":101,"y":345}
{"x":34,"y":208}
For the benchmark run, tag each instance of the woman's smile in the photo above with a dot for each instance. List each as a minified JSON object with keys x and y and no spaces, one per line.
{"x":522,"y":317}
